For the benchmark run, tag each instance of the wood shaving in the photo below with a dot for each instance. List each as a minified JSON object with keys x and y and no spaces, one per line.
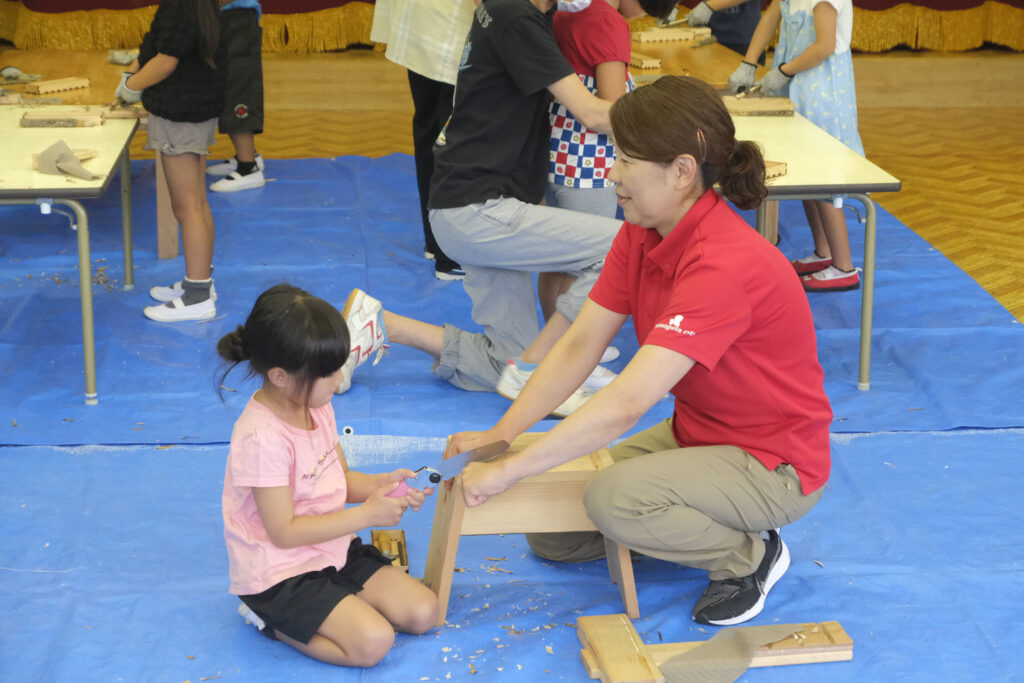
{"x":549,"y":649}
{"x":819,"y":563}
{"x":496,"y":559}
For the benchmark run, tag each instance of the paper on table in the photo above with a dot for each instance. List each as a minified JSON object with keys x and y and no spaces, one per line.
{"x":58,"y":158}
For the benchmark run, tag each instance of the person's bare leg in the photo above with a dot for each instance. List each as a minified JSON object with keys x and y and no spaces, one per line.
{"x":187,"y":189}
{"x":817,"y":231}
{"x":553,"y":330}
{"x":354,"y":634}
{"x":833,"y":223}
{"x":245,"y":146}
{"x":416,"y":334}
{"x":550,"y":286}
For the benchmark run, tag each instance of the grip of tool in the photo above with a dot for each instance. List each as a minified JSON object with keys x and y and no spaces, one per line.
{"x":400,"y":490}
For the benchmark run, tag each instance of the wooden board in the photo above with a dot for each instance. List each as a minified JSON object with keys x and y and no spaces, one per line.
{"x":59,"y":120}
{"x":676,"y":34}
{"x":774,"y":169}
{"x":755,"y":105}
{"x":642,"y":61}
{"x":391,"y":542}
{"x":56,"y":85}
{"x":614,"y":652}
{"x":13,"y":98}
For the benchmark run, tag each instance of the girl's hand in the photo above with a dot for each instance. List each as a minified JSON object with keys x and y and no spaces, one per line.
{"x":774,"y":81}
{"x":413,"y":497}
{"x":742,"y":79}
{"x":382,"y":510}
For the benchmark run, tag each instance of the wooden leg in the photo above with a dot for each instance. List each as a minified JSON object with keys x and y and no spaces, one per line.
{"x":444,"y":544}
{"x":166,"y":223}
{"x":620,"y":566}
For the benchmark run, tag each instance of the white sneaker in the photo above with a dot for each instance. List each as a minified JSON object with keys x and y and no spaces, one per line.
{"x":174,"y":291}
{"x":231,"y":165}
{"x":250,"y":616}
{"x":175,"y":311}
{"x":234,"y":182}
{"x":364,"y":316}
{"x":513,"y":379}
{"x":610,"y":354}
{"x":599,"y":379}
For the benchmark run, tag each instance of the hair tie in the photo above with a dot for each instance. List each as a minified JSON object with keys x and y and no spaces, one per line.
{"x":702,"y":145}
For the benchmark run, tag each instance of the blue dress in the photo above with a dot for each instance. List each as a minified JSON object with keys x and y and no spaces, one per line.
{"x":826,"y":93}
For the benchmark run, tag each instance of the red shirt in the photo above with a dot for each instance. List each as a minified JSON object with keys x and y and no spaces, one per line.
{"x":592,"y":36}
{"x":716,"y":291}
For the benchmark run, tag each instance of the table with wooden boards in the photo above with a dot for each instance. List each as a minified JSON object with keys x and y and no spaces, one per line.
{"x":103,"y":142}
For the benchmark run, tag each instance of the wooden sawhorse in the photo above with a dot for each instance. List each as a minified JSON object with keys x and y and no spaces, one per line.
{"x":548,"y":502}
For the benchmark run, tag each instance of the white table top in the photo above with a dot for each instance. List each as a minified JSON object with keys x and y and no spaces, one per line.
{"x":815,"y":161}
{"x":18,"y":180}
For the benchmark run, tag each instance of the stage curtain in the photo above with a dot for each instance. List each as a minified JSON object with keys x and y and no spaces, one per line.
{"x":288,"y":25}
{"x":945,"y":25}
{"x":322,"y":25}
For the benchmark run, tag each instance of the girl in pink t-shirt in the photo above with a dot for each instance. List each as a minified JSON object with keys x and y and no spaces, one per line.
{"x":302,"y":574}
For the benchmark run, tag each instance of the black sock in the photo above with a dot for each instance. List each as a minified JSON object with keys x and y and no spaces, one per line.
{"x":246,"y":167}
{"x":196,"y":291}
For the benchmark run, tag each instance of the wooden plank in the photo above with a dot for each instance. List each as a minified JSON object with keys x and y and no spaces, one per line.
{"x":13,"y":98}
{"x":620,"y":566}
{"x":617,"y":651}
{"x":754,"y":105}
{"x":56,"y":85}
{"x":642,"y":61}
{"x":55,"y":120}
{"x":391,"y":542}
{"x":812,"y":643}
{"x":444,"y":544}
{"x":675,"y":34}
{"x":774,"y":169}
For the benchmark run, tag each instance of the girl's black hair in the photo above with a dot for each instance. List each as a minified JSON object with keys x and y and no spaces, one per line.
{"x":290,"y":329}
{"x":207,"y":13}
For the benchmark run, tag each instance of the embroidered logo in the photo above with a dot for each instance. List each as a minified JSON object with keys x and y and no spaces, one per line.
{"x":483,"y":16}
{"x":674,"y":324}
{"x":241,"y":111}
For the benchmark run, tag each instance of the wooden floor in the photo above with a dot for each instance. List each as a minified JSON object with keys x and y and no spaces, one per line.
{"x":955,"y":141}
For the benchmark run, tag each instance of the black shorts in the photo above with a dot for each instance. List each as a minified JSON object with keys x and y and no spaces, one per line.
{"x":298,"y":606}
{"x":243,"y":94}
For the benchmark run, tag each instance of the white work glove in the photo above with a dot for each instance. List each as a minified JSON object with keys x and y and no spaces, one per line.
{"x":742,"y":78}
{"x":700,"y":15}
{"x":126,"y":94}
{"x":773,"y":82}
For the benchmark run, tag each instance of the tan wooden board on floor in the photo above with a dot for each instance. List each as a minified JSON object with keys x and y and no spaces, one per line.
{"x":676,"y":34}
{"x":755,"y":105}
{"x":56,"y":85}
{"x":642,"y":61}
{"x":548,"y":502}
{"x":614,"y":652}
{"x":391,"y":542}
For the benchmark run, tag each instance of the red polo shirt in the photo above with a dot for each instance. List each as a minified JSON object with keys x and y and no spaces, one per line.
{"x":716,"y":291}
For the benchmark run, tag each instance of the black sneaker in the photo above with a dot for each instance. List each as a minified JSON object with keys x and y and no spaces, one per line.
{"x":733,"y":601}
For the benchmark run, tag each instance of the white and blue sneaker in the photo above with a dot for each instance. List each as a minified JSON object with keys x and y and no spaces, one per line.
{"x":364,"y":316}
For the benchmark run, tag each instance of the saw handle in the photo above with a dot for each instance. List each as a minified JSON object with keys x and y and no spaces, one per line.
{"x":400,"y":491}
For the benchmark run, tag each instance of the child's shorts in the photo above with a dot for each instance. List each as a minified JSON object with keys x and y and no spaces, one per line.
{"x":243,"y":97}
{"x":298,"y":606}
{"x":180,"y":137}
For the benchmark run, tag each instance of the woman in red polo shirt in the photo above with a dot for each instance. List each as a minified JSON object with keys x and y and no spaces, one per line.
{"x":724,"y":326}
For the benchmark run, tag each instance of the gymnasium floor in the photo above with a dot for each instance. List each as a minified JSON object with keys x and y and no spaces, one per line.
{"x":112,"y":564}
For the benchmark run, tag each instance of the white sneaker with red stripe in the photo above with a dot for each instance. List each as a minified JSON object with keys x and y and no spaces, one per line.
{"x":831,"y":280}
{"x":364,"y":316}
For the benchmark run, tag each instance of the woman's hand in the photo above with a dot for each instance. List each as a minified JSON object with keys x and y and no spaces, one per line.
{"x":481,"y":480}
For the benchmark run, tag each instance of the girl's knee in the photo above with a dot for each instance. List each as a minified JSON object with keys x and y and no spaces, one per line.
{"x":372,"y":645}
{"x":423,"y":614}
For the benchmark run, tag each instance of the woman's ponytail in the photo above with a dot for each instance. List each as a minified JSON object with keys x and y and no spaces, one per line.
{"x":742,"y":178}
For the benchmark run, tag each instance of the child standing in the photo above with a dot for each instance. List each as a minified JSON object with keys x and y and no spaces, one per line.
{"x":595,"y":41}
{"x":180,"y":82}
{"x":295,"y":561}
{"x":813,"y":65}
{"x":241,"y":119}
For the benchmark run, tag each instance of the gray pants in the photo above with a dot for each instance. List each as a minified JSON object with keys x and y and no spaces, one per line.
{"x":700,"y":507}
{"x":600,"y":201}
{"x":499,"y":244}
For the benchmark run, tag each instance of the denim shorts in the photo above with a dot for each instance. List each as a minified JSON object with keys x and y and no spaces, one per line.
{"x":180,"y":137}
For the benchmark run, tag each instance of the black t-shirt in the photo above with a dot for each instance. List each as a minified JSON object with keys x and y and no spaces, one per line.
{"x":194,"y":91}
{"x":496,"y":142}
{"x":735,"y":25}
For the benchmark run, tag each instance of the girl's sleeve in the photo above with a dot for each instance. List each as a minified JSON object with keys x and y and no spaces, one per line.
{"x":607,"y":40}
{"x":261,"y":458}
{"x":174,"y":32}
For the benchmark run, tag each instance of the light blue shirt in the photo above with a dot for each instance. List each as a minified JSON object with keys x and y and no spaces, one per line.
{"x":244,"y":4}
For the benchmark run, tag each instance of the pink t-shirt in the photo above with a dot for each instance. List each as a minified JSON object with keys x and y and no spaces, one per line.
{"x":268,"y":452}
